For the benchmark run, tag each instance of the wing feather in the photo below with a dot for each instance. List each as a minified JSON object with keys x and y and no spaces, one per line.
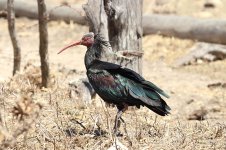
{"x":130,"y":83}
{"x":130,"y":74}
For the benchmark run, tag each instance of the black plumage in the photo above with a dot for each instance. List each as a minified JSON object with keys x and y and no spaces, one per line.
{"x":119,"y":85}
{"x":122,"y":86}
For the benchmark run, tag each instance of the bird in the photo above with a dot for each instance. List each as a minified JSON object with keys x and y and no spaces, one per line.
{"x":116,"y":84}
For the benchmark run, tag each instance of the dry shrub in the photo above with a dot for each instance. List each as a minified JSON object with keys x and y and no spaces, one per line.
{"x":29,"y":79}
{"x":25,"y":107}
{"x":24,"y":114}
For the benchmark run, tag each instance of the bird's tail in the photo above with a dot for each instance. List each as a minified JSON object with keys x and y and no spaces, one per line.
{"x":163,"y":109}
{"x":156,"y":103}
{"x":150,"y":95}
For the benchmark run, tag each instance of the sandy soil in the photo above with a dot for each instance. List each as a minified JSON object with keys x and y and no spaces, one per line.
{"x":187,"y":86}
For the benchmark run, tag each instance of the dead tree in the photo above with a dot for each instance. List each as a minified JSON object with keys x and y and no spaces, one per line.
{"x":12,"y":33}
{"x":43,"y":39}
{"x":125,"y":28}
{"x":120,"y":22}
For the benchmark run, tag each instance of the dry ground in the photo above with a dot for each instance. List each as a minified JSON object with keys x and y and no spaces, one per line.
{"x":52,"y":120}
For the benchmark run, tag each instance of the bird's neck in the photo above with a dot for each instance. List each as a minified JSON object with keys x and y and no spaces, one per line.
{"x":93,"y":53}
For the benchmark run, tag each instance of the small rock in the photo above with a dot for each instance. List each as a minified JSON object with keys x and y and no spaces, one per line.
{"x":212,"y":3}
{"x":117,"y":145}
{"x":190,"y":101}
{"x":209,"y":5}
{"x":198,"y":114}
{"x":82,"y":91}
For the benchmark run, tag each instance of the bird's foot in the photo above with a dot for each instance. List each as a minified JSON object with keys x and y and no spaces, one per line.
{"x":117,"y":133}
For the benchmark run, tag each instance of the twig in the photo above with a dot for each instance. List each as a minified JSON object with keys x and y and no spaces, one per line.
{"x":79,"y":123}
{"x":131,"y":53}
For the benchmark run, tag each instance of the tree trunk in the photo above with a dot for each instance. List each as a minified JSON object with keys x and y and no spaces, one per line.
{"x":125,"y":28}
{"x":97,"y":17}
{"x":120,"y":22}
{"x":98,"y":23}
{"x":43,"y":39}
{"x":11,"y":27}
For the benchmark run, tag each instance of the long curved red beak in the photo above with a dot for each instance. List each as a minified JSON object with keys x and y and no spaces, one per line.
{"x":70,"y":45}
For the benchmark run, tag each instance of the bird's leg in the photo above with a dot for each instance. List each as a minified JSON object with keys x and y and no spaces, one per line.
{"x":127,"y":135}
{"x":118,"y":118}
{"x":117,"y":123}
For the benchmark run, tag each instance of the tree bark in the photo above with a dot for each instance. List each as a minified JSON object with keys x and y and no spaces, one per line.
{"x":120,"y":22}
{"x":98,"y":23}
{"x":12,"y":33}
{"x":97,"y":18}
{"x":125,"y":28}
{"x":43,"y":39}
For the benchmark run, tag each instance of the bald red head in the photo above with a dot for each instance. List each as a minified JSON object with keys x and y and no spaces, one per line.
{"x":87,"y":40}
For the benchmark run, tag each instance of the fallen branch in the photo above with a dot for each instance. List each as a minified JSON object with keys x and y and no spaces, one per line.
{"x":217,"y":85}
{"x":24,"y":8}
{"x":203,"y":52}
{"x":207,"y":30}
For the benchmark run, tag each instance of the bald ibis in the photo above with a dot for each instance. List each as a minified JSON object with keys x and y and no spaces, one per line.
{"x":116,"y":84}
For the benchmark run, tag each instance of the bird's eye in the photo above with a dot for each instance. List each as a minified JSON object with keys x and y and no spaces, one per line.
{"x":85,"y":39}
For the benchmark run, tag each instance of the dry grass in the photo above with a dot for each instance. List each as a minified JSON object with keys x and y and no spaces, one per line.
{"x":48,"y":119}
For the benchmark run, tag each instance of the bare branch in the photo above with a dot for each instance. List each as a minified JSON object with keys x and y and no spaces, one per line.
{"x":43,"y":39}
{"x":15,"y":43}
